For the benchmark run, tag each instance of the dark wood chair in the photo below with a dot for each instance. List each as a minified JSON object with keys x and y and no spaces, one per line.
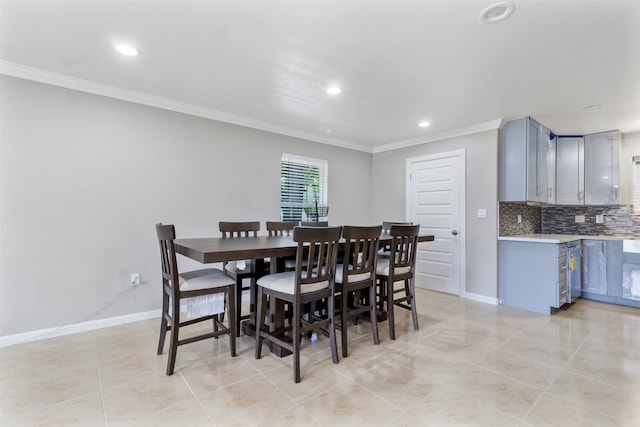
{"x":178,"y":286}
{"x":386,"y":227}
{"x":282,"y":228}
{"x":356,"y":278}
{"x":303,"y":286}
{"x":399,"y":267}
{"x":240,"y":270}
{"x":314,"y":223}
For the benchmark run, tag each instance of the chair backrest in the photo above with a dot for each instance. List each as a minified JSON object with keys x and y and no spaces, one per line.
{"x":360,"y":251}
{"x":319,"y":247}
{"x":314,"y":223}
{"x":239,"y":229}
{"x":281,"y":228}
{"x":166,"y":235}
{"x":404,"y":245}
{"x":386,"y":225}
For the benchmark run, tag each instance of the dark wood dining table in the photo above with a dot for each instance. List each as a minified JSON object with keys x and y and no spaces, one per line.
{"x":208,"y":250}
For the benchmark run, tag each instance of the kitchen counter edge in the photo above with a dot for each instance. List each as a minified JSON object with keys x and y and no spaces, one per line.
{"x":557,"y":238}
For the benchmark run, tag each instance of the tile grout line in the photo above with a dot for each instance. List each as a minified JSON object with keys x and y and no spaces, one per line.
{"x":560,"y":371}
{"x":95,"y":353}
{"x":196,"y":397}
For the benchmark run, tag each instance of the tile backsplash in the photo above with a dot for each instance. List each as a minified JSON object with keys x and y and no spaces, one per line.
{"x":617,"y":220}
{"x":530,"y":216}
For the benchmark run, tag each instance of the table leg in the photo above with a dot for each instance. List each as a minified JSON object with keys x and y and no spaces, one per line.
{"x":276,"y":309}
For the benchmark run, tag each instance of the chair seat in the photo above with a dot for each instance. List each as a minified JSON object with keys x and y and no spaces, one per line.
{"x":353,"y":277}
{"x":384,"y":265}
{"x":203,"y":279}
{"x":285,"y":283}
{"x":239,"y":267}
{"x":384,"y":254}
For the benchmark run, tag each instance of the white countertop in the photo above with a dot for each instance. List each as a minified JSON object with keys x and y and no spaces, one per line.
{"x":556,"y":238}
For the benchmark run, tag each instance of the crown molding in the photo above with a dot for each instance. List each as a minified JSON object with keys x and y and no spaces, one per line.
{"x":630,"y":135}
{"x":467,"y":130}
{"x":69,"y":82}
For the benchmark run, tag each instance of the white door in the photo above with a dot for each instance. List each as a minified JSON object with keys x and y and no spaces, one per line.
{"x":435,"y":200}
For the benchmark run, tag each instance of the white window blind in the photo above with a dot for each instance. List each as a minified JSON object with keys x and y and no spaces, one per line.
{"x":636,"y":185}
{"x":303,"y":188}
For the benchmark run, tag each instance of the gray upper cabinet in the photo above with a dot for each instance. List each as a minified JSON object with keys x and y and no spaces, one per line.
{"x":527,"y":159}
{"x":570,"y":170}
{"x":602,"y":168}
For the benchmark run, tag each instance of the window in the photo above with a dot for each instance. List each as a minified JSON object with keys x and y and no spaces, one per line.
{"x":636,"y":185}
{"x":303,"y":188}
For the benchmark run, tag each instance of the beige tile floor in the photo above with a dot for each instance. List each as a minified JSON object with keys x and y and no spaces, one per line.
{"x":469,"y":364}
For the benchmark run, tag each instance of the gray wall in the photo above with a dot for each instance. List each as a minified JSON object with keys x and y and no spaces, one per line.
{"x":84,"y":178}
{"x":481,"y":193}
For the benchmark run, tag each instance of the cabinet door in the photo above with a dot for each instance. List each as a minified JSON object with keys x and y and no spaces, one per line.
{"x":541,"y":161}
{"x":534,"y":191}
{"x":631,"y":281}
{"x":602,"y":168}
{"x":546,"y":165}
{"x":570,"y":170}
{"x":594,"y":277}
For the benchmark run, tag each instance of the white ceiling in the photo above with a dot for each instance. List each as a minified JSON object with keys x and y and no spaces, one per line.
{"x":267,"y":64}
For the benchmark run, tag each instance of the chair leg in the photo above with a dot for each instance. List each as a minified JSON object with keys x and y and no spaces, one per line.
{"x":414,"y":310}
{"x":374,"y":317}
{"x":296,"y":341}
{"x":163,"y":322}
{"x":238,"y":305}
{"x":173,"y":347}
{"x":343,"y":322}
{"x":260,"y":313}
{"x":392,"y":323}
{"x":231,"y":323}
{"x":332,"y":328}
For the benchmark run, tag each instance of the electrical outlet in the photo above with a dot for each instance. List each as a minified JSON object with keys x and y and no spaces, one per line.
{"x":519,"y":219}
{"x":599,"y":219}
{"x":135,"y":279}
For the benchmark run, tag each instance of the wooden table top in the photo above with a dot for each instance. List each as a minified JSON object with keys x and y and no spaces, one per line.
{"x":217,"y":249}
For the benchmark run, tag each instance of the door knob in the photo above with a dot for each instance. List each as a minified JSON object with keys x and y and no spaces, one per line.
{"x":454,"y":232}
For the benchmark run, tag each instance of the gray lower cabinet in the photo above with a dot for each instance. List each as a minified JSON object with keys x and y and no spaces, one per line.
{"x":609,"y":274}
{"x":631,"y":278}
{"x":532,"y":275}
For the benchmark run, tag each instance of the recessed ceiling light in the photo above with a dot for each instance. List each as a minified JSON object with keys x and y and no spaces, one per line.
{"x":497,"y":12}
{"x":126,"y":50}
{"x":424,"y":124}
{"x":592,"y":106}
{"x":333,"y":90}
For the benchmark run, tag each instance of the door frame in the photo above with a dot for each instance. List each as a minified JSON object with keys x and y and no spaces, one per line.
{"x":461,"y":238}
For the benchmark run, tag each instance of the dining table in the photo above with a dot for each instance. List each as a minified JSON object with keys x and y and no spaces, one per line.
{"x":207,"y":250}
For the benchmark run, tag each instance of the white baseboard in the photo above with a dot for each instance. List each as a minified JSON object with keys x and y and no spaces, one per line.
{"x":480,"y":298}
{"x":42,"y":334}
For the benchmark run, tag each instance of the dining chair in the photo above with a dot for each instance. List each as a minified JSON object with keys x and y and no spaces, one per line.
{"x":314,"y":223}
{"x":282,"y":228}
{"x":386,"y":227}
{"x":207,"y":287}
{"x":299,"y":287}
{"x":399,"y":267}
{"x":355,"y":287}
{"x":240,"y":270}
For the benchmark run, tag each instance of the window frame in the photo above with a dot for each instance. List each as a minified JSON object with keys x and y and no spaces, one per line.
{"x":635,"y":179}
{"x":308,"y":198}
